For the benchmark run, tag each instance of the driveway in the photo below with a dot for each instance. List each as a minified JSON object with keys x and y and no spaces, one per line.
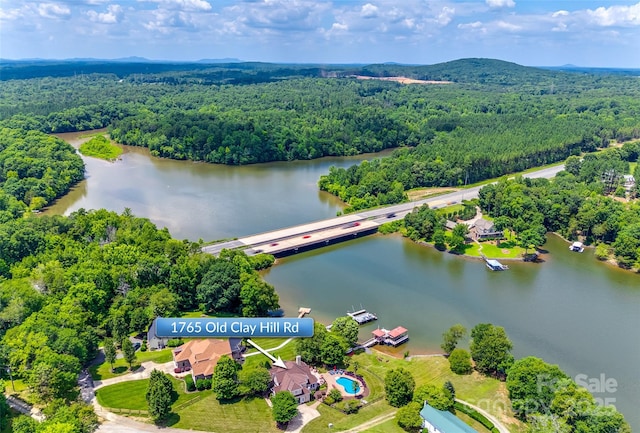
{"x":305,"y":415}
{"x":143,"y":372}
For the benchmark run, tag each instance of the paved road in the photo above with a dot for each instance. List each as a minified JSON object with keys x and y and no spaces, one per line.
{"x":290,"y":238}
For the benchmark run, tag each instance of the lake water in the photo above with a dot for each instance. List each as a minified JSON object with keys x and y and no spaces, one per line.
{"x":570,"y":310}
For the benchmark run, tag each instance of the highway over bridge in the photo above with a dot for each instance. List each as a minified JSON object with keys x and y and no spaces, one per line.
{"x":292,"y":240}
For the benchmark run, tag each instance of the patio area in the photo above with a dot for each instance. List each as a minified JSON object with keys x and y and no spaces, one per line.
{"x":348,"y":383}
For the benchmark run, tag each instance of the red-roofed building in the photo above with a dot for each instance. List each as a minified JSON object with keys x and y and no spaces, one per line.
{"x":201,"y":356}
{"x":378,"y":333}
{"x":397,"y":332}
{"x":395,"y":337}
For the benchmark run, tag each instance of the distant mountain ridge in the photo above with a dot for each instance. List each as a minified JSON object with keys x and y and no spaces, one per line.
{"x":234,"y":71}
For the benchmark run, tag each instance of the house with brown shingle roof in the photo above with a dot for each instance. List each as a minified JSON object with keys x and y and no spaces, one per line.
{"x":297,"y":378}
{"x":201,"y":356}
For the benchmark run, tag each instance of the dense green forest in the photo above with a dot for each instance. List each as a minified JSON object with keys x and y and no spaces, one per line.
{"x":35,"y":168}
{"x":66,"y":283}
{"x":520,"y":116}
{"x":72,"y":281}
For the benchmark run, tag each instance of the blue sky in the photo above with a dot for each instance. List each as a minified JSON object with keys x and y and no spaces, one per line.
{"x":530,"y":32}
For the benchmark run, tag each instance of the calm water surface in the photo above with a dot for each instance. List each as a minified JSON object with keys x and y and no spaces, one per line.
{"x":207,"y":201}
{"x":570,"y":310}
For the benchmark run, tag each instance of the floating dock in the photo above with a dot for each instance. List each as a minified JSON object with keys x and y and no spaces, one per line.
{"x":362,"y":316}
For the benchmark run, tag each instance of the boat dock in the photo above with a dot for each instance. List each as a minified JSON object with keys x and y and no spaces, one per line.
{"x":303,"y":311}
{"x":495,"y":265}
{"x":395,"y":337}
{"x":362,"y":316}
{"x":578,"y":247}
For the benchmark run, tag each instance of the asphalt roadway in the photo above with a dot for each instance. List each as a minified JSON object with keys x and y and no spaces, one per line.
{"x":291,"y":238}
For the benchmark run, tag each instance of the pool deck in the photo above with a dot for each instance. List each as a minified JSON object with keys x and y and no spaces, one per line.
{"x":330,"y":379}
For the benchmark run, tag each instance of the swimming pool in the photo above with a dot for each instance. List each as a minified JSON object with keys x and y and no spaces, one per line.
{"x":350,"y":386}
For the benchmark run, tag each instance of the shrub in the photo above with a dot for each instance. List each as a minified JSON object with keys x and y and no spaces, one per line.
{"x":143,"y":348}
{"x":602,"y":251}
{"x":188,"y":380}
{"x":335,"y":395}
{"x":200,"y":384}
{"x":348,"y":406}
{"x":475,"y":415}
{"x":175,"y":342}
{"x":460,"y":361}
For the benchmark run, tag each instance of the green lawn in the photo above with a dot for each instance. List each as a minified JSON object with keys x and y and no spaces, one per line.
{"x":266,"y":343}
{"x":493,"y":251}
{"x":132,"y":394}
{"x":287,"y":353}
{"x":208,"y":414}
{"x":103,"y":371}
{"x":341,"y":421}
{"x":202,"y":411}
{"x":435,"y":370}
{"x":196,"y":410}
{"x":386,"y":427}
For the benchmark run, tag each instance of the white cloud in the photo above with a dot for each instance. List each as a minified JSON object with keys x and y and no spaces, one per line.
{"x":10,"y":14}
{"x":495,"y":4}
{"x":369,"y":11}
{"x":445,"y":16}
{"x":616,"y":15}
{"x":184,"y":5}
{"x":504,"y":25}
{"x":166,"y":21}
{"x":53,"y":10}
{"x":276,"y":16}
{"x":113,"y":15}
{"x":473,"y":25}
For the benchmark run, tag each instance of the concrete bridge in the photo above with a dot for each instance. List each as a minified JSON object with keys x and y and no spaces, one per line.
{"x":292,"y":240}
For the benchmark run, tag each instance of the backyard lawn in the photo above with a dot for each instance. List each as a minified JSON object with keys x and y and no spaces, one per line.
{"x":473,"y":388}
{"x":287,"y":353}
{"x":132,"y":394}
{"x":208,"y":414}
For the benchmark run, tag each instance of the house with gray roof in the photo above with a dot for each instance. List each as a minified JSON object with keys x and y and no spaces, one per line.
{"x":153,"y":341}
{"x":485,"y":229}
